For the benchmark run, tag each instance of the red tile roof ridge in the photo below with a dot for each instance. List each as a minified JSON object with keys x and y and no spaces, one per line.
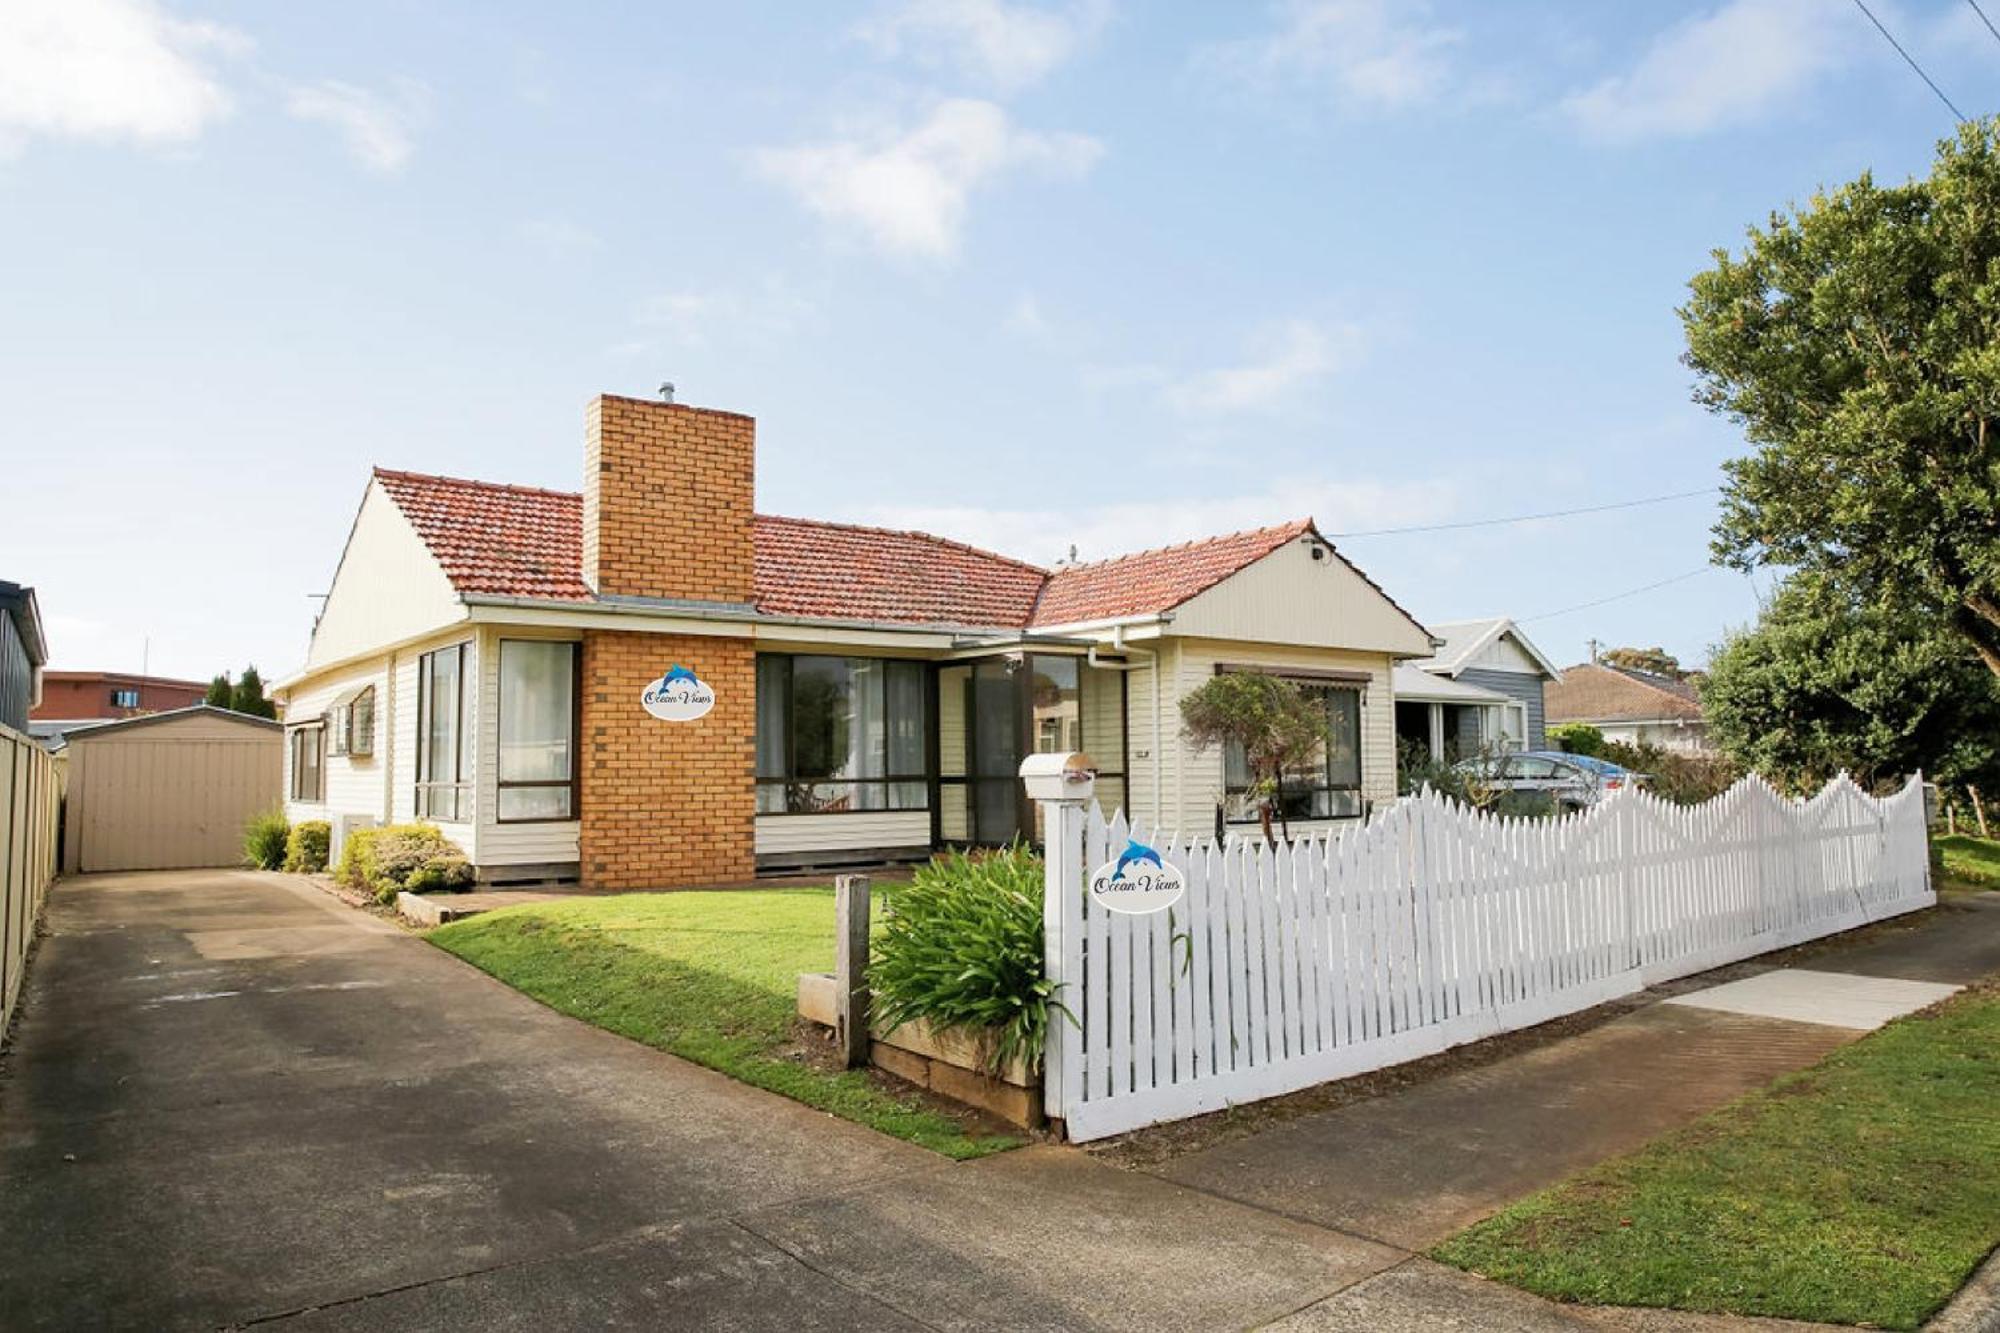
{"x":1278,"y":532}
{"x":905,"y":532}
{"x":403,"y":474}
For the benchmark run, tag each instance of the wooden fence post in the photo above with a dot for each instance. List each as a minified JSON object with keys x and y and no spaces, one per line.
{"x":850,"y":968}
{"x":1978,"y":810}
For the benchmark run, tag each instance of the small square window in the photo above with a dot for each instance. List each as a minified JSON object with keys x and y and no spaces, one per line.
{"x":124,"y":698}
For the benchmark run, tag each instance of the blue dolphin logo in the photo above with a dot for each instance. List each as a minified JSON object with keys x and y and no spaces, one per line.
{"x":1135,"y":852}
{"x":679,"y":672}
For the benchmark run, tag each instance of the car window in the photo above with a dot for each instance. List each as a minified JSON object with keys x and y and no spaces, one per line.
{"x":1527,"y":766}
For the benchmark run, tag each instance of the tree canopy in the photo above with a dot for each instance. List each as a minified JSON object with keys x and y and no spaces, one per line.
{"x":1278,"y":725}
{"x":1656,"y":660}
{"x":248,"y":695}
{"x":1826,"y":681}
{"x":1856,"y":341}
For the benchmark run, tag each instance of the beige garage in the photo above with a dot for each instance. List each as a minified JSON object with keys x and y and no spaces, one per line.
{"x":169,"y":790}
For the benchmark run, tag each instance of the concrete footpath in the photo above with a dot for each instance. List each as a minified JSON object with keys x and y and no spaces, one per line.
{"x":231,"y":1101}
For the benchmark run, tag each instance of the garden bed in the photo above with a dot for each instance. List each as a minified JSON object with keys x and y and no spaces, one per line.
{"x":947,"y":1063}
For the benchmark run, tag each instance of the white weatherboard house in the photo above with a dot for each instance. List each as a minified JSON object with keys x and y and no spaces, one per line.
{"x":1482,"y":690}
{"x":483,"y":650}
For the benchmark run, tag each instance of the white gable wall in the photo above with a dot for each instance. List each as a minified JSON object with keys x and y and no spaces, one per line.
{"x":1503,"y":654}
{"x":1290,"y":598}
{"x":387,"y":589}
{"x":1190,"y":781}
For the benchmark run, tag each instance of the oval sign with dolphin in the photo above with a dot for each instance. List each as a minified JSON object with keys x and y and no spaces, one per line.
{"x":678,"y":696}
{"x":1139,"y":881}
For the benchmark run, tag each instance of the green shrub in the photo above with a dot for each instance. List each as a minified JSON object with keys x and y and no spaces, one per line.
{"x":962,"y":950}
{"x":399,"y":858}
{"x":1684,"y":779}
{"x":264,"y":839}
{"x":1576,"y":738}
{"x":305,"y":849}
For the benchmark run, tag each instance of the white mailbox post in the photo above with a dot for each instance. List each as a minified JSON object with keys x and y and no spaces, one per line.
{"x":1061,"y":784}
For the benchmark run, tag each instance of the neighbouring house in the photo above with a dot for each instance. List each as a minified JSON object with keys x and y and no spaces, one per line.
{"x":1481,"y":690}
{"x":1636,"y":707}
{"x":73,"y":700}
{"x":22,"y":652}
{"x":483,"y":651}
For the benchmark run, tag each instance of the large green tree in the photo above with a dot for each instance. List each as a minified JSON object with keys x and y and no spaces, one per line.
{"x":1856,"y":341}
{"x":1827,"y":681}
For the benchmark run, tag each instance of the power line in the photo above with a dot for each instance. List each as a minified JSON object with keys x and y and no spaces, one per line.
{"x":1910,"y":60}
{"x":1529,"y":518}
{"x":1983,"y":19}
{"x":1614,"y":597}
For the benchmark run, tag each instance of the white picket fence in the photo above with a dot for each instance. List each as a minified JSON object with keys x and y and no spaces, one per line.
{"x":1430,"y":926}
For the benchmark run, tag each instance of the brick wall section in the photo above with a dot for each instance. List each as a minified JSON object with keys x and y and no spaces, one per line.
{"x":668,"y":492}
{"x":667,"y":804}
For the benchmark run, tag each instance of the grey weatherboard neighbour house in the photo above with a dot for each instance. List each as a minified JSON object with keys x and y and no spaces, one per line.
{"x":1494,"y":698}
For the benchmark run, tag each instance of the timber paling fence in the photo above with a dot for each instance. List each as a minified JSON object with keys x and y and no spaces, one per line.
{"x":31,"y":785}
{"x":1431,"y":925}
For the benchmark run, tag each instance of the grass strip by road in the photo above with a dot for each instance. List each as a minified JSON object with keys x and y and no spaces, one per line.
{"x":710,"y":977}
{"x":1863,"y":1190}
{"x":1973,"y":862}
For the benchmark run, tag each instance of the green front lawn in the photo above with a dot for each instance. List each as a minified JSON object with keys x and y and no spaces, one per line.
{"x":1863,"y":1190}
{"x":711,"y":977}
{"x":1974,"y":862}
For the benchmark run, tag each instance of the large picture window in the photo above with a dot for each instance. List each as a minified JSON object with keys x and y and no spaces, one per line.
{"x":537,"y":730}
{"x":306,"y":745}
{"x":1327,"y":785}
{"x":838,"y":734}
{"x":444,"y":745}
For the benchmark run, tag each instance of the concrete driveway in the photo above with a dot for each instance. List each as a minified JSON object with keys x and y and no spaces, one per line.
{"x":231,"y":1100}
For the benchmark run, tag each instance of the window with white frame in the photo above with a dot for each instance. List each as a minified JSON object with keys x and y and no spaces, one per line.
{"x":350,"y":723}
{"x":538,"y":723}
{"x":444,"y":739}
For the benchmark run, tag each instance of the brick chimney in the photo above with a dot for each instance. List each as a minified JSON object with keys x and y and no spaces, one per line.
{"x":667,"y":495}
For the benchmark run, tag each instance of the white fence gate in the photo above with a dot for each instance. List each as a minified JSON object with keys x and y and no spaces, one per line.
{"x":1430,"y":926}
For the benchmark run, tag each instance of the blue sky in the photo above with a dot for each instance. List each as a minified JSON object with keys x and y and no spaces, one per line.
{"x":1028,"y":275}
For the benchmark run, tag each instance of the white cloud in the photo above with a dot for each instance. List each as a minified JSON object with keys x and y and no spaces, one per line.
{"x":1737,"y":63}
{"x":908,"y":190}
{"x":1044,"y":536}
{"x":1282,"y":363}
{"x":1370,"y":54}
{"x":379,"y":128}
{"x":107,"y":70}
{"x":1009,"y":45}
{"x":774,"y":308}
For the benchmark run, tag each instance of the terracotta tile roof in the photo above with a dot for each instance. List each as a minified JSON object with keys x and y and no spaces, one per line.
{"x":1593,"y":692}
{"x":516,"y":541}
{"x":844,"y":571}
{"x":1155,"y":581}
{"x":522,"y":541}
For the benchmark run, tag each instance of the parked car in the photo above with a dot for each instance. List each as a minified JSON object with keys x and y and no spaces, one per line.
{"x":1572,"y":781}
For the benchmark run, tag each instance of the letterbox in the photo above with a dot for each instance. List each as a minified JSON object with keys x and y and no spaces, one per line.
{"x":1059,"y":777}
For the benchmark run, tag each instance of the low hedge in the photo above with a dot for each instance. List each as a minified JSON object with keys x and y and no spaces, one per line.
{"x":306,"y":847}
{"x":400,"y":858}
